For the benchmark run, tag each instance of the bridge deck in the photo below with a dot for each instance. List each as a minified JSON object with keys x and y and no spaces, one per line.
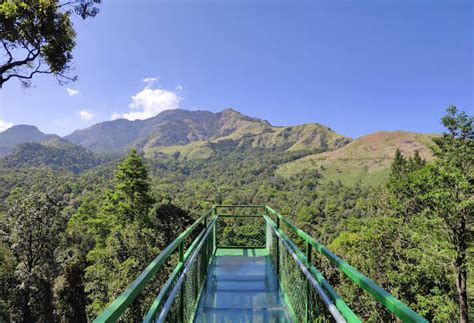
{"x":241,"y":286}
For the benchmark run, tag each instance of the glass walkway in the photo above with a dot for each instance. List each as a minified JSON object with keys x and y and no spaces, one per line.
{"x":245,"y":263}
{"x":241,"y":286}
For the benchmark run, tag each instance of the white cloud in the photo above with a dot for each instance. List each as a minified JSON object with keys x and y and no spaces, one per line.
{"x":72,"y":92}
{"x":150,"y":80}
{"x":149,"y":102}
{"x":179,"y":87}
{"x":5,"y":125}
{"x":86,"y":115}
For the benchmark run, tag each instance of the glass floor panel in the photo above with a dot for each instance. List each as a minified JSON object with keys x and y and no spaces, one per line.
{"x":241,"y":286}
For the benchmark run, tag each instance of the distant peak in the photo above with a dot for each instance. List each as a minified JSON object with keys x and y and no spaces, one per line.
{"x":230,"y":111}
{"x":23,"y":128}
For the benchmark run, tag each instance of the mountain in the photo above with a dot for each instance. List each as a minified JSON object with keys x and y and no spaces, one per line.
{"x":53,"y":152}
{"x":15,"y":135}
{"x":192,"y":133}
{"x":366,"y":159}
{"x":199,"y":135}
{"x":308,"y":137}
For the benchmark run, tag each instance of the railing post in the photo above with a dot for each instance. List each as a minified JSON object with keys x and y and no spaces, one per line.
{"x":308,"y":287}
{"x":214,"y":233}
{"x":278,"y":248}
{"x":268,"y":233}
{"x":205,"y":248}
{"x":181,"y":297}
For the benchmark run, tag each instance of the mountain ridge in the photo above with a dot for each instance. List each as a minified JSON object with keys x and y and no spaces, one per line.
{"x":199,"y":134}
{"x":19,"y":134}
{"x":178,"y":128}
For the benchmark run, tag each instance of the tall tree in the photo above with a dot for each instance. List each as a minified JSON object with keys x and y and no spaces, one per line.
{"x":34,"y":226}
{"x":420,"y":224}
{"x":445,"y":190}
{"x":452,"y":195}
{"x":38,"y":37}
{"x":399,"y":164}
{"x":125,"y":243}
{"x":131,"y":199}
{"x":69,"y":285}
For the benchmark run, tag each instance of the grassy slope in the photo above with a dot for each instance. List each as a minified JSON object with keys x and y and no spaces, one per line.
{"x":194,"y":150}
{"x":366,"y":159}
{"x":292,"y":138}
{"x":301,"y":137}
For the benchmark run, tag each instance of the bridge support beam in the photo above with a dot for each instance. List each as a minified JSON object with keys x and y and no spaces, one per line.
{"x":308,"y":285}
{"x":181,"y":294}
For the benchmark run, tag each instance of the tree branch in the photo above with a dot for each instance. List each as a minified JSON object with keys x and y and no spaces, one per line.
{"x":31,"y":57}
{"x":25,"y":77}
{"x":10,"y":56}
{"x":67,"y":78}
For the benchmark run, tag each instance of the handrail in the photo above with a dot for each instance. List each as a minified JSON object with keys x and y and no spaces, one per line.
{"x":385,"y":298}
{"x":338,"y":301}
{"x":120,"y":304}
{"x":240,"y":215}
{"x":303,"y":267}
{"x":239,"y":206}
{"x":169,"y":283}
{"x":174,"y":291}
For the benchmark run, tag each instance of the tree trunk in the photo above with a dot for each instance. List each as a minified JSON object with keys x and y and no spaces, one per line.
{"x":461,"y":271}
{"x":461,"y":286}
{"x":26,"y":315}
{"x":461,"y":281}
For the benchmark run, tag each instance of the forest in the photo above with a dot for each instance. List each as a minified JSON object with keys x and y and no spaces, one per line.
{"x":73,"y":239}
{"x":82,"y":215}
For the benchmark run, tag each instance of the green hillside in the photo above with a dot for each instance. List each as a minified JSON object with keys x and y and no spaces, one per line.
{"x":366,"y":159}
{"x":56,"y":153}
{"x":255,"y":135}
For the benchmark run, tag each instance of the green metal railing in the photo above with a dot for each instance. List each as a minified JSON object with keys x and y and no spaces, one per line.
{"x":307,"y":293}
{"x":392,"y":304}
{"x":119,"y":306}
{"x":246,"y":229}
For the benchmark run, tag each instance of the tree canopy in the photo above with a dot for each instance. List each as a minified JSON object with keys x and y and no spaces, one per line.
{"x":38,"y":37}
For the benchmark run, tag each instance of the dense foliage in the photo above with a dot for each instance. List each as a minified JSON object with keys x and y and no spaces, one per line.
{"x":66,"y":158}
{"x":413,"y":235}
{"x":415,"y":232}
{"x":38,"y":37}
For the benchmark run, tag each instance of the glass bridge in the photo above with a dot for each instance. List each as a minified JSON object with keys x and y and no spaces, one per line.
{"x":245,"y":263}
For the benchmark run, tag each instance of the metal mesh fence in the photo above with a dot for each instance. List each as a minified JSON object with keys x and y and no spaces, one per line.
{"x":240,"y":227}
{"x":240,"y":232}
{"x":305,"y":303}
{"x":185,"y":291}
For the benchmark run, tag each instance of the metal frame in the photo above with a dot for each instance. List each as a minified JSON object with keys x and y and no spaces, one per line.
{"x":169,"y":302}
{"x":335,"y":303}
{"x":312,"y":281}
{"x":113,"y":311}
{"x":392,"y":304}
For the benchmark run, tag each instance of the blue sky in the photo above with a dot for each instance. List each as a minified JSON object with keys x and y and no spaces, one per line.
{"x":356,"y":66}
